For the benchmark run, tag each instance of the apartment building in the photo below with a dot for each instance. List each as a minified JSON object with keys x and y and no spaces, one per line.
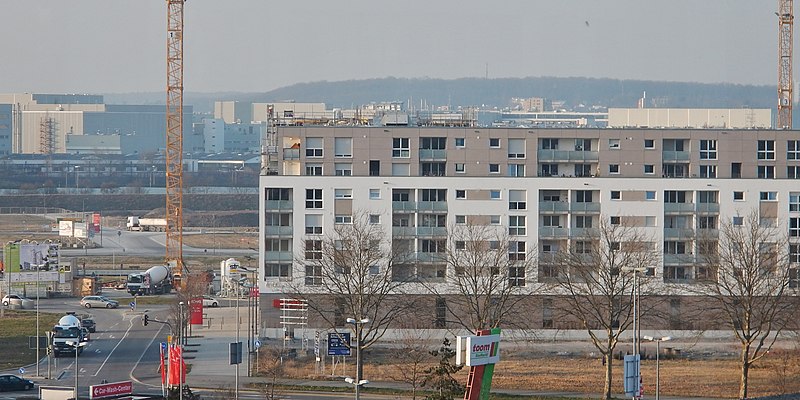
{"x":545,"y":186}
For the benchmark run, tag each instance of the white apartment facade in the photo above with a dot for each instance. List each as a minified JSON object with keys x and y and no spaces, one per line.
{"x":545,"y":186}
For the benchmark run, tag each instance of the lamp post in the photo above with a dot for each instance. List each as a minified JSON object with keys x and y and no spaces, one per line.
{"x":357,"y":382}
{"x":180,"y":344}
{"x":658,"y":353}
{"x":77,"y":344}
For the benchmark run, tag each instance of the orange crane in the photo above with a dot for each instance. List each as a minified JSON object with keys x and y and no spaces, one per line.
{"x":785,"y":26}
{"x":174,"y":156}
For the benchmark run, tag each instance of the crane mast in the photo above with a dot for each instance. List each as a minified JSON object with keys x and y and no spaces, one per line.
{"x":785,"y":84}
{"x":174,"y":156}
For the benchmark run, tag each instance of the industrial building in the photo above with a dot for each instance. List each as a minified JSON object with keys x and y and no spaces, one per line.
{"x":546,"y":186}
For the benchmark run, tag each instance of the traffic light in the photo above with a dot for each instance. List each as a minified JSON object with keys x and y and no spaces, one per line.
{"x":145,"y":320}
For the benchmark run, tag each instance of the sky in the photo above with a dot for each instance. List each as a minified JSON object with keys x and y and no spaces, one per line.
{"x":119,"y":46}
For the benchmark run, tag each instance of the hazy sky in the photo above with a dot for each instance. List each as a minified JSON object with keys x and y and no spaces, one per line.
{"x":113,"y":46}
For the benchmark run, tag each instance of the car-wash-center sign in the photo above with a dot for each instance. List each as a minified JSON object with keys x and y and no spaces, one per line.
{"x":478,"y":350}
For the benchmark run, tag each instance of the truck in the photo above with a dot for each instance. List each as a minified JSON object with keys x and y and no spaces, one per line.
{"x":66,"y":334}
{"x":146,"y":224}
{"x":156,"y":280}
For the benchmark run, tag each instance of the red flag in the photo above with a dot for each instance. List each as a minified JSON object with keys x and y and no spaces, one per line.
{"x":177,"y":368}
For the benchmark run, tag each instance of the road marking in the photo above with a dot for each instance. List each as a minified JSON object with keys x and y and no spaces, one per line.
{"x":112,"y":350}
{"x":142,"y":356}
{"x":97,"y":350}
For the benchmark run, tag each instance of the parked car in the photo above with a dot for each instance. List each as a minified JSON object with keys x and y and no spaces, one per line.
{"x":13,"y":383}
{"x":99,"y":301}
{"x":89,"y":324}
{"x":209,"y":301}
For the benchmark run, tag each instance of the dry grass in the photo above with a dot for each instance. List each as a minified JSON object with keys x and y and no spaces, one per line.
{"x":679,"y":377}
{"x":15,"y":328}
{"x":243,"y":240}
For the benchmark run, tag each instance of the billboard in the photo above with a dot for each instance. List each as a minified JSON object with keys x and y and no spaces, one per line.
{"x":65,"y":228}
{"x":26,"y":257}
{"x":480,"y":350}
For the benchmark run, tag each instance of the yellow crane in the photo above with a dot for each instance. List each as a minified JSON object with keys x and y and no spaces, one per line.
{"x":785,"y":26}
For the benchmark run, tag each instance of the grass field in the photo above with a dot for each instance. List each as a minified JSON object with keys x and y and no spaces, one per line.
{"x":15,"y":328}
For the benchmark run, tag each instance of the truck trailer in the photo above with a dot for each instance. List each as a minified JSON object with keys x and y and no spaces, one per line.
{"x":146,"y":224}
{"x":156,"y":280}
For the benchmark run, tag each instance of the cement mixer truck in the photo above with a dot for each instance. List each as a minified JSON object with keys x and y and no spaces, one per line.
{"x":156,"y":280}
{"x":66,"y":334}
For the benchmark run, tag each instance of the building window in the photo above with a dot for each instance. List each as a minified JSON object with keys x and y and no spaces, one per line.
{"x":460,"y":245}
{"x":494,"y":194}
{"x":794,"y":201}
{"x":374,"y":194}
{"x":793,"y":172}
{"x":374,"y":167}
{"x":674,"y":196}
{"x":613,"y":144}
{"x":583,"y":196}
{"x":494,"y":220}
{"x":433,"y":194}
{"x":460,"y":168}
{"x":432,"y":143}
{"x":549,"y":170}
{"x":516,"y":225}
{"x":313,"y":250}
{"x":738,"y":196}
{"x":516,"y":251}
{"x":277,"y":194}
{"x":706,"y":222}
{"x":650,"y":195}
{"x":277,"y":219}
{"x":314,"y":169}
{"x":433,"y":169}
{"x":766,"y":172}
{"x":674,"y":247}
{"x":766,"y":150}
{"x":613,"y":168}
{"x":374,"y":219}
{"x":516,"y":148}
{"x":343,"y":193}
{"x":794,"y":227}
{"x":794,"y":253}
{"x":432,"y":245}
{"x":649,"y":144}
{"x":313,"y":198}
{"x":708,"y":149}
{"x":707,"y":197}
{"x":343,"y":169}
{"x":401,"y":148}
{"x":675,"y":170}
{"x":313,"y":224}
{"x":494,"y":168}
{"x":583,"y":170}
{"x":516,"y":200}
{"x":551,"y":221}
{"x":461,"y":219}
{"x":401,"y":195}
{"x":275,"y":270}
{"x":433,"y":220}
{"x":738,"y":221}
{"x":313,"y":275}
{"x":583,"y":221}
{"x":440,"y":322}
{"x":583,"y":144}
{"x":615,"y":220}
{"x":313,"y":147}
{"x":793,"y":150}
{"x":549,"y":144}
{"x":343,"y":219}
{"x":494,"y":143}
{"x":616,"y":195}
{"x":650,"y":221}
{"x":516,"y":169}
{"x":649,"y":169}
{"x":278,"y":244}
{"x":401,"y":169}
{"x":461,"y":194}
{"x":460,"y":142}
{"x":768,"y":196}
{"x":708,"y":171}
{"x":343,"y":147}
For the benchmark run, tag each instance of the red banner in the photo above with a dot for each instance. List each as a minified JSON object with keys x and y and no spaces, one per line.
{"x":96,"y":222}
{"x":254,"y":291}
{"x":196,"y":311}
{"x":110,"y":389}
{"x":177,"y":368}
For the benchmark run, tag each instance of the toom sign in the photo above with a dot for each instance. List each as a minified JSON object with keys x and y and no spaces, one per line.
{"x":110,"y":390}
{"x":478,"y":350}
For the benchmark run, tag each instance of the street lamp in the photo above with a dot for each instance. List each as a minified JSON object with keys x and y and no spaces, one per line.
{"x":658,"y":352}
{"x":180,"y":343}
{"x":77,"y":344}
{"x":357,"y":382}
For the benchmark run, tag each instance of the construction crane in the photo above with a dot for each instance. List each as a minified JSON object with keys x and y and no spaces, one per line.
{"x":174,"y":159}
{"x":785,"y":25}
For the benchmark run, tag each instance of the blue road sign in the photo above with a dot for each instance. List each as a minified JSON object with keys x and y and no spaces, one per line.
{"x":21,"y":371}
{"x":339,"y":344}
{"x":257,"y":343}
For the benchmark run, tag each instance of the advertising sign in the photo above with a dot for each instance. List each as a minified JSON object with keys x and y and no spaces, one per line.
{"x":24,"y":257}
{"x":480,"y":350}
{"x":339,"y":344}
{"x":65,"y":228}
{"x":110,"y":390}
{"x":96,"y":222}
{"x":632,"y":378}
{"x":196,"y":311}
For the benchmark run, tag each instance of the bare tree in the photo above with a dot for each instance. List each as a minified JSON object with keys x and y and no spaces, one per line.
{"x":271,"y":362}
{"x":596,"y":275}
{"x":414,"y":358}
{"x":750,"y":286}
{"x":348,"y":274}
{"x":487,"y":272}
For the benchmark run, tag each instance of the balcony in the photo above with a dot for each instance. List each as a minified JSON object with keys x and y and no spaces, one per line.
{"x":404,"y":206}
{"x":432,"y":206}
{"x":278,"y":256}
{"x":671,"y":155}
{"x":678,"y":233}
{"x":291,"y":154}
{"x":431,"y":231}
{"x":584,"y":207}
{"x":678,"y":259}
{"x":553,"y":232}
{"x":278,"y":230}
{"x":709,"y":208}
{"x":279,"y":205}
{"x":567,"y":155}
{"x":554,"y":206}
{"x":584,"y":233}
{"x":679,"y":207}
{"x":430,"y":257}
{"x":430,"y":154}
{"x":410,"y":231}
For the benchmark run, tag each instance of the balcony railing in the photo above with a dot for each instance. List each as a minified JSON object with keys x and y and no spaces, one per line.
{"x":430,"y":154}
{"x":678,"y":232}
{"x":671,"y":155}
{"x":291,"y":154}
{"x":432,"y":206}
{"x":431,"y":231}
{"x":567,"y":155}
{"x":279,"y":205}
{"x":279,"y":230}
{"x":679,"y":207}
{"x":585,"y":207}
{"x":554,"y":206}
{"x":548,"y":231}
{"x":708,"y":207}
{"x":678,"y":259}
{"x":278,"y":256}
